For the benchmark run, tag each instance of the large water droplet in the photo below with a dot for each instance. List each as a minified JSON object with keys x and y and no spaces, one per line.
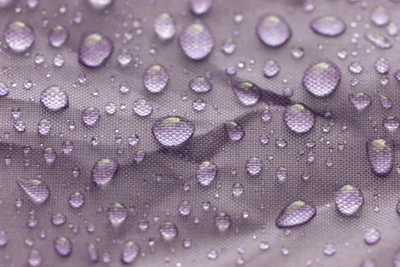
{"x":200,"y":7}
{"x":142,"y":107}
{"x":5,"y":3}
{"x":117,"y":214}
{"x":206,"y":172}
{"x":172,"y":131}
{"x":54,"y":99}
{"x":104,"y":170}
{"x":298,"y":118}
{"x":234,"y":131}
{"x":19,"y":36}
{"x":155,"y":78}
{"x":273,"y":30}
{"x":100,"y":4}
{"x":328,"y":26}
{"x":223,"y":221}
{"x":90,"y":116}
{"x":247,"y":92}
{"x":63,"y":246}
{"x":76,"y":200}
{"x":164,"y":26}
{"x":58,"y":36}
{"x":322,"y":78}
{"x":378,"y":40}
{"x":130,"y":252}
{"x":381,"y":156}
{"x":196,"y":41}
{"x":254,"y":166}
{"x":49,"y":155}
{"x":94,"y":49}
{"x":360,"y":100}
{"x":271,"y":68}
{"x":380,"y":16}
{"x":297,"y":213}
{"x":168,"y":231}
{"x":58,"y":219}
{"x":35,"y":189}
{"x":349,"y":200}
{"x":200,"y":85}
{"x":44,"y":127}
{"x":372,"y":236}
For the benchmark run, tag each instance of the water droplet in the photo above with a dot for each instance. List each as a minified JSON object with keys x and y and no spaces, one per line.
{"x":297,"y":52}
{"x":330,"y":26}
{"x":35,"y":189}
{"x":58,"y":219}
{"x":130,"y":252}
{"x":142,"y":108}
{"x":93,"y":253}
{"x":76,"y":200}
{"x":94,"y":49}
{"x":223,"y":221}
{"x":322,"y":78}
{"x":382,"y":65}
{"x":247,"y":92}
{"x":254,"y":166}
{"x":378,"y":40}
{"x":196,"y":41}
{"x":111,"y":108}
{"x":67,"y":147}
{"x":20,"y":126}
{"x":133,"y":140}
{"x":298,"y":118}
{"x":392,"y":29}
{"x":369,"y":263}
{"x":49,"y":155}
{"x":381,"y":156}
{"x":19,"y":36}
{"x":237,"y":189}
{"x":44,"y":127}
{"x":139,"y":156}
{"x":349,"y":200}
{"x":199,"y":104}
{"x":100,"y":4}
{"x":229,"y":47}
{"x":168,"y":231}
{"x":200,"y":85}
{"x":155,"y":78}
{"x":234,"y":131}
{"x":380,"y":16}
{"x":281,"y":174}
{"x":124,"y":58}
{"x":184,"y":208}
{"x":172,"y":131}
{"x":212,"y":254}
{"x":117,"y":214}
{"x":329,"y":249}
{"x":372,"y":236}
{"x":34,"y":258}
{"x":271,"y":68}
{"x":3,"y":238}
{"x":63,"y":246}
{"x":200,"y":7}
{"x":54,"y":99}
{"x":90,"y":116}
{"x":391,"y":123}
{"x":273,"y":30}
{"x":206,"y":172}
{"x":165,"y":26}
{"x":104,"y":170}
{"x":58,"y":36}
{"x":297,"y":213}
{"x":360,"y":100}
{"x":30,"y":3}
{"x":4,"y":90}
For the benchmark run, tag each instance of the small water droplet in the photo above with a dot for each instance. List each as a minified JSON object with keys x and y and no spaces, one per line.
{"x":142,"y":107}
{"x":200,"y":85}
{"x":273,"y":30}
{"x":372,"y":236}
{"x":212,"y":254}
{"x":117,"y":214}
{"x":3,"y":238}
{"x":360,"y":100}
{"x":329,"y":249}
{"x":281,"y":174}
{"x":391,"y":123}
{"x":297,"y":213}
{"x":100,"y":4}
{"x":355,"y":67}
{"x":349,"y":199}
{"x":199,"y":104}
{"x":76,"y":200}
{"x":184,"y":208}
{"x":297,"y":52}
{"x":237,"y":189}
{"x":34,"y":258}
{"x":234,"y":131}
{"x":223,"y":221}
{"x":93,"y":253}
{"x":382,"y":65}
{"x":54,"y":99}
{"x":4,"y":89}
{"x":378,"y":40}
{"x":229,"y":47}
{"x":168,"y":231}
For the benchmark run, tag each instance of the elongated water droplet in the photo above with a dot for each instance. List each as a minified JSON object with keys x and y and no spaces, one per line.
{"x":298,"y":118}
{"x":117,"y":214}
{"x":93,"y":253}
{"x":196,"y":41}
{"x":223,"y":221}
{"x":35,"y":189}
{"x":382,"y":65}
{"x":164,"y":26}
{"x":200,"y":85}
{"x":104,"y":170}
{"x":58,"y":36}
{"x":184,"y":208}
{"x":3,"y":238}
{"x":297,"y":213}
{"x":90,"y":116}
{"x":54,"y":99}
{"x":381,"y":156}
{"x":76,"y":200}
{"x":100,"y":4}
{"x":168,"y":231}
{"x":349,"y":200}
{"x":94,"y":49}
{"x":254,"y":166}
{"x":130,"y":252}
{"x":247,"y":93}
{"x":58,"y":219}
{"x":63,"y":246}
{"x":19,"y":36}
{"x":273,"y":30}
{"x":205,"y":173}
{"x":271,"y":68}
{"x":172,"y":131}
{"x":142,"y":107}
{"x":378,"y":40}
{"x":360,"y":100}
{"x":380,"y":16}
{"x":330,"y":26}
{"x":199,"y":7}
{"x":4,"y":89}
{"x":34,"y":258}
{"x":155,"y":78}
{"x":234,"y":131}
{"x":322,"y":78}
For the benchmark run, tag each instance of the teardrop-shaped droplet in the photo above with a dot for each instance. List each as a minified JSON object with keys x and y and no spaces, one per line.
{"x":322,"y":78}
{"x":168,"y":231}
{"x":234,"y":131}
{"x":205,"y":173}
{"x":130,"y":252}
{"x":254,"y":166}
{"x":360,"y":100}
{"x":19,"y":36}
{"x":100,"y":4}
{"x":378,"y":40}
{"x":164,"y":26}
{"x":90,"y":116}
{"x":196,"y":41}
{"x":58,"y":36}
{"x":54,"y":99}
{"x":200,"y":85}
{"x":247,"y":93}
{"x":298,"y":118}
{"x":380,"y":16}
{"x":271,"y":68}
{"x":297,"y":213}
{"x":58,"y":219}
{"x":155,"y":78}
{"x":35,"y":189}
{"x":117,"y":214}
{"x":381,"y":156}
{"x":349,"y":199}
{"x":76,"y":200}
{"x":104,"y":170}
{"x":34,"y":258}
{"x":223,"y":221}
{"x":330,"y":26}
{"x":49,"y":155}
{"x":273,"y":30}
{"x":199,"y":7}
{"x":382,"y":65}
{"x":142,"y":107}
{"x":184,"y":208}
{"x":172,"y":132}
{"x":63,"y":246}
{"x":4,"y":89}
{"x":94,"y":49}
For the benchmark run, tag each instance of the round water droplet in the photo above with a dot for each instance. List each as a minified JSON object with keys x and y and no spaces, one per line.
{"x":297,"y":52}
{"x":380,"y":16}
{"x":391,"y":123}
{"x":34,"y":258}
{"x":360,"y":100}
{"x":297,"y":213}
{"x":184,"y":208}
{"x":266,"y":115}
{"x":273,"y":30}
{"x":93,"y":253}
{"x":322,"y":78}
{"x":117,"y":214}
{"x":199,"y":104}
{"x":4,"y":90}
{"x":200,"y":85}
{"x":228,"y":47}
{"x":223,"y":221}
{"x":58,"y":36}
{"x":142,"y":107}
{"x":247,"y":93}
{"x":104,"y":170}
{"x":130,"y":252}
{"x":254,"y":166}
{"x":372,"y":236}
{"x":54,"y":99}
{"x":196,"y":41}
{"x":212,"y":254}
{"x":76,"y":200}
{"x":35,"y":189}
{"x":155,"y":78}
{"x":200,"y":7}
{"x":281,"y":174}
{"x":349,"y":200}
{"x":378,"y":40}
{"x":381,"y":156}
{"x":58,"y":219}
{"x":94,"y":49}
{"x":133,"y":140}
{"x":382,"y":65}
{"x":168,"y":231}
{"x":205,"y":173}
{"x":63,"y":246}
{"x":20,"y":126}
{"x":172,"y":131}
{"x":298,"y":118}
{"x":369,"y":263}
{"x":234,"y":131}
{"x":124,"y":58}
{"x":271,"y":68}
{"x":90,"y":116}
{"x":100,"y":4}
{"x":49,"y":155}
{"x":329,"y":249}
{"x":237,"y":189}
{"x":164,"y":26}
{"x":19,"y":36}
{"x":330,"y":26}
{"x":67,"y":147}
